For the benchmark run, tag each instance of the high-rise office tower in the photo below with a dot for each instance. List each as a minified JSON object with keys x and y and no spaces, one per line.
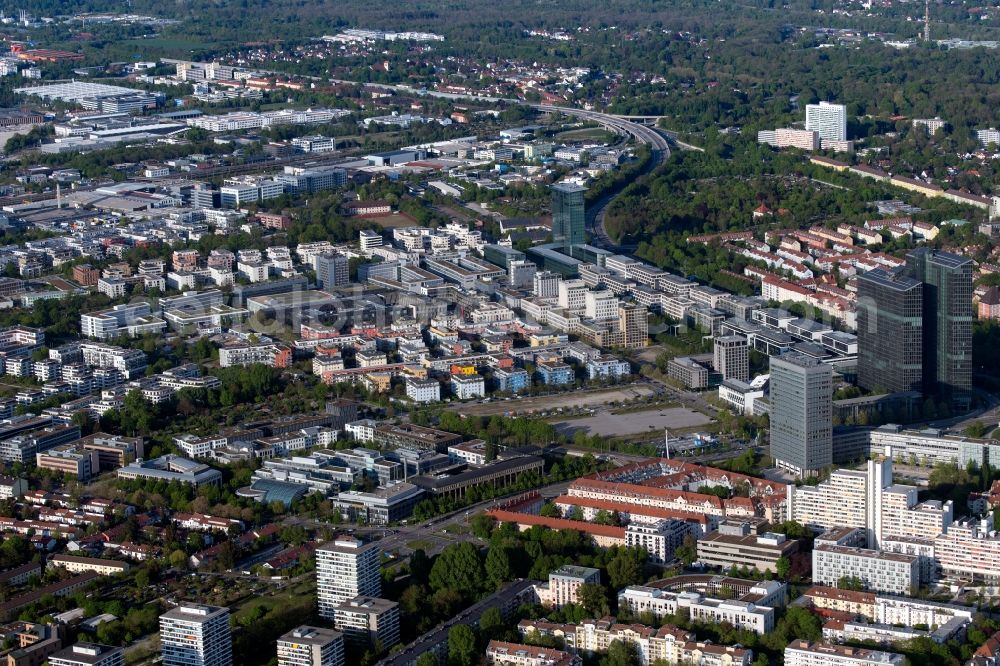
{"x":346,"y":568}
{"x":332,"y":270}
{"x":311,"y":646}
{"x":732,"y":357}
{"x":568,"y":214}
{"x":196,"y":635}
{"x":801,"y":413}
{"x":829,"y":120}
{"x":947,"y":334}
{"x":890,"y":331}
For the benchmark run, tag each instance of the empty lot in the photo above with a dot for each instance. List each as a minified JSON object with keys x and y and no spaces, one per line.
{"x":606,"y":424}
{"x":517,"y":406}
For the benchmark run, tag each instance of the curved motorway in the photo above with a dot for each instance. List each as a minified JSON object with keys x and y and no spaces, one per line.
{"x":642,"y":134}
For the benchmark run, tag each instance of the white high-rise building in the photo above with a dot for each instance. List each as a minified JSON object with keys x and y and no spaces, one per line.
{"x":311,"y":646}
{"x":572,"y":294}
{"x":869,"y":500}
{"x":345,"y":569}
{"x":829,"y":120}
{"x":601,"y":304}
{"x":546,"y":285}
{"x":196,"y":635}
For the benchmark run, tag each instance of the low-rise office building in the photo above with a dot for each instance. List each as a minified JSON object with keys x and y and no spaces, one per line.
{"x":736,"y":545}
{"x":89,"y":654}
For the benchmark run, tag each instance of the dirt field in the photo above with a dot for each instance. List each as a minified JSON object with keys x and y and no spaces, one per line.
{"x":606,"y":424}
{"x":394,"y":221}
{"x":519,"y":406}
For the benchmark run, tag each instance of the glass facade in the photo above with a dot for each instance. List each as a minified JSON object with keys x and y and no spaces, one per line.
{"x":947,"y":338}
{"x":568,"y":215}
{"x":890,"y":332}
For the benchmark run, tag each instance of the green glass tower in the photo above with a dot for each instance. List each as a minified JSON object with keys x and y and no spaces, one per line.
{"x":947,"y":334}
{"x":568,"y":215}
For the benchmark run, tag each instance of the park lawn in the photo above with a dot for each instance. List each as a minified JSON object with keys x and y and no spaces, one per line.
{"x":585,"y":134}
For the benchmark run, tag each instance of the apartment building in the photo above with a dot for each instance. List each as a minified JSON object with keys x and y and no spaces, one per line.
{"x":311,"y":646}
{"x":564,"y":584}
{"x":274,"y":355}
{"x":130,"y":362}
{"x":888,"y":573}
{"x":637,"y":599}
{"x":77,"y":564}
{"x":868,"y":499}
{"x":732,"y":357}
{"x":368,"y":621}
{"x":466,"y":387}
{"x":969,"y":550}
{"x":499,"y":653}
{"x":196,"y":635}
{"x":346,"y":568}
{"x":828,"y":120}
{"x":132,"y":320}
{"x":423,"y":390}
{"x":659,"y":538}
{"x":804,"y":653}
{"x":666,"y":645}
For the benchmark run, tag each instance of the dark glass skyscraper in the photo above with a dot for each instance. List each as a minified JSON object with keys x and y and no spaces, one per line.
{"x":890,"y":331}
{"x":801,"y":413}
{"x":915,"y":327}
{"x":947,"y":347}
{"x":568,"y":215}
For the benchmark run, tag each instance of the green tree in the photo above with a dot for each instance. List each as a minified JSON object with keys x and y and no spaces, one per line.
{"x":593,"y":599}
{"x":626,"y":567}
{"x":483,"y":525}
{"x":687,"y":552}
{"x":498,"y":566}
{"x":550,"y":510}
{"x":427,"y":659}
{"x":491,"y":625}
{"x":782,"y":567}
{"x":460,"y":568}
{"x":621,"y":653}
{"x":462,"y":646}
{"x":178,"y":559}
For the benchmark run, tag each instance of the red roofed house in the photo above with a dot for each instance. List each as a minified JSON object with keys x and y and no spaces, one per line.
{"x":989,"y":304}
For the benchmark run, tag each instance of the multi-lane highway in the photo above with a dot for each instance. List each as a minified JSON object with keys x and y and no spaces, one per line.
{"x":641,"y":134}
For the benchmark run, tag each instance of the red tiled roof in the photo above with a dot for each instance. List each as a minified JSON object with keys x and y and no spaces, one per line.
{"x":558,"y":523}
{"x":623,"y":507}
